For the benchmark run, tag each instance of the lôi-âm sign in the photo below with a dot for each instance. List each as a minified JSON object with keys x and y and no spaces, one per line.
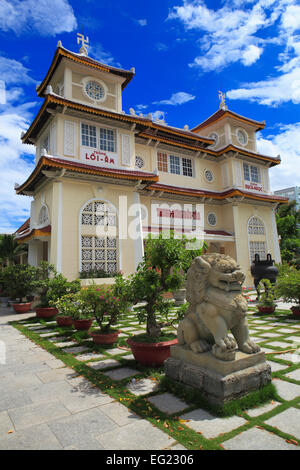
{"x":98,"y":157}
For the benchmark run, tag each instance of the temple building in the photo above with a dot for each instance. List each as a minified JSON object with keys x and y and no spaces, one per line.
{"x":105,"y":179}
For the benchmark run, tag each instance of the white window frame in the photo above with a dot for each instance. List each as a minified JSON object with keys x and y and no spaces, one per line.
{"x":180,"y":164}
{"x":250,"y":175}
{"x":115,"y":131}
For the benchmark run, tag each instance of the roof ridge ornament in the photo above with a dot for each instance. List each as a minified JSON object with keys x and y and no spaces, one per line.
{"x":222,"y":104}
{"x":84,"y":44}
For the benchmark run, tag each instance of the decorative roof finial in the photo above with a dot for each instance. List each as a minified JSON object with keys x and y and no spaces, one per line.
{"x":85,"y":43}
{"x":222,"y":104}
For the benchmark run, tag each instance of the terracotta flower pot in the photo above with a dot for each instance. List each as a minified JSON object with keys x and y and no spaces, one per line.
{"x":151,"y":354}
{"x":22,"y":307}
{"x":296,"y":310}
{"x":46,"y":312}
{"x":105,"y":338}
{"x":64,"y":321}
{"x":266,"y":309}
{"x":82,"y":324}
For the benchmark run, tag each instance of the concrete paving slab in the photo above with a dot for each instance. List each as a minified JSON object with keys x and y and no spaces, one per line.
{"x":37,"y":413}
{"x":6,"y":424}
{"x":75,"y":350}
{"x":34,"y":438}
{"x":211,"y":426}
{"x":286,"y":390}
{"x":119,"y":413}
{"x":260,"y":410}
{"x":275,"y":366}
{"x":106,"y":363}
{"x":46,"y":391}
{"x":142,"y":387}
{"x":168,"y":403}
{"x":80,"y":430}
{"x":257,"y":439}
{"x":287,"y":421}
{"x":89,"y":357}
{"x":122,"y":373}
{"x":56,"y":375}
{"x":13,"y":399}
{"x":140,"y":435}
{"x":295,"y":375}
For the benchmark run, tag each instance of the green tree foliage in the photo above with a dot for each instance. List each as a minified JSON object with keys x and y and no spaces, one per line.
{"x":10,"y":249}
{"x":288,"y":222}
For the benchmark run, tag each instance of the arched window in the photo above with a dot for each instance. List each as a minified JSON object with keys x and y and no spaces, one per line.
{"x":99,"y":240}
{"x":257,"y":238}
{"x":43,"y":218}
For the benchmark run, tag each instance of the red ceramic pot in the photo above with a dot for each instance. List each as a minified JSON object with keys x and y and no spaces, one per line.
{"x":296,"y":310}
{"x":151,"y":354}
{"x":266,"y":309}
{"x":22,"y":307}
{"x":64,"y":321}
{"x":105,"y":338}
{"x":82,"y":324}
{"x":46,"y":312}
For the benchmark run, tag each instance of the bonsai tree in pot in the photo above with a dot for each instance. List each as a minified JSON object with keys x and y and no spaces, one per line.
{"x":106,"y":307}
{"x":266,"y":302}
{"x":162,"y":270}
{"x":19,"y":281}
{"x":51,"y":286}
{"x":288,"y":287}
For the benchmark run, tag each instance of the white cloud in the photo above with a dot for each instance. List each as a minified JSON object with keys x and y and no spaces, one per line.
{"x":99,"y":53}
{"x":273,"y":91}
{"x":291,"y":18}
{"x":228,"y":34}
{"x":285,"y":143}
{"x":251,"y":54}
{"x":176,"y":99}
{"x":46,"y":18}
{"x":12,"y":71}
{"x":16,"y":163}
{"x":142,"y":22}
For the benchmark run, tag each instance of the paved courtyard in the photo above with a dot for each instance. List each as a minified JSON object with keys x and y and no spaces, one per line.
{"x":60,"y":391}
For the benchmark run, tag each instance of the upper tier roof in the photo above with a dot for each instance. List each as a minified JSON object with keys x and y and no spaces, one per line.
{"x":62,"y":53}
{"x":223,"y":113}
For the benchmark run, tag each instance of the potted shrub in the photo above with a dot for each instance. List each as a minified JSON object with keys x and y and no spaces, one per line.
{"x":19,"y":281}
{"x":266,"y":302}
{"x":66,"y":308}
{"x":161,"y":271}
{"x":288,"y":287}
{"x":81,"y":313}
{"x":107,"y":306}
{"x":51,"y":286}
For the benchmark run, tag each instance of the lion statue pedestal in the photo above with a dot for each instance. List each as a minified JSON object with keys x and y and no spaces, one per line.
{"x":214,"y":352}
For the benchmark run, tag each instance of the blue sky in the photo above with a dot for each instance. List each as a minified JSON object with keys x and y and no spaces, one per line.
{"x":184,"y":52}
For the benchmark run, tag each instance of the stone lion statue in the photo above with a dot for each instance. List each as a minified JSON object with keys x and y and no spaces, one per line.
{"x":217,"y":306}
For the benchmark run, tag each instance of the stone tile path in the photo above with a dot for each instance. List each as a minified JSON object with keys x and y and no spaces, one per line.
{"x":46,"y":405}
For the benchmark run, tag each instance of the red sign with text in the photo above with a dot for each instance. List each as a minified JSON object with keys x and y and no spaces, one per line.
{"x":98,"y":157}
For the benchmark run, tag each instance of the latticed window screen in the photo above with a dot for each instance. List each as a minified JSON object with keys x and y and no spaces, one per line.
{"x":258,"y":248}
{"x":256,"y":226}
{"x":99,"y":213}
{"x":174,"y":165}
{"x":99,"y":252}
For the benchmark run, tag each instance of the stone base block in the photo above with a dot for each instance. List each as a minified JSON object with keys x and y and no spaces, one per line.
{"x":220,"y":387}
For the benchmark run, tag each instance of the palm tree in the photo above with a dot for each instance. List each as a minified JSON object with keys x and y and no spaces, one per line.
{"x":10,"y":249}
